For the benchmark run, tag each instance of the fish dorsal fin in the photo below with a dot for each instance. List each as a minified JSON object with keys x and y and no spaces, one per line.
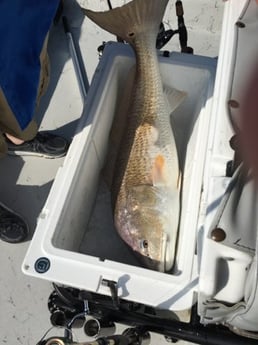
{"x":175,"y":97}
{"x":158,"y":174}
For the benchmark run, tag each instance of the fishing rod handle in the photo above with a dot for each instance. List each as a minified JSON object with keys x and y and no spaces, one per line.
{"x":179,"y":9}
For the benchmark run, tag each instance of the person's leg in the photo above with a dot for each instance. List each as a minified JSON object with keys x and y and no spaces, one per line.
{"x":13,"y":228}
{"x":29,"y":141}
{"x":3,"y":146}
{"x":8,"y":122}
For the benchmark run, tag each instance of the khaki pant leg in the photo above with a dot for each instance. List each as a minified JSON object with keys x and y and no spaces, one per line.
{"x":3,"y":146}
{"x":44,"y":71}
{"x":8,"y":122}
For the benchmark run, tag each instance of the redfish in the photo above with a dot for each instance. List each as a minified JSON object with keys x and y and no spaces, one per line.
{"x":147,"y":177}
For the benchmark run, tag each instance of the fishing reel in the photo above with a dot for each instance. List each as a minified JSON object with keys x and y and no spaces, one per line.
{"x":72,"y":308}
{"x":164,"y":36}
{"x":131,"y":336}
{"x":55,"y":341}
{"x":97,"y":315}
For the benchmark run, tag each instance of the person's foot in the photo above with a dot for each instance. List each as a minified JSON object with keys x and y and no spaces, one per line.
{"x":13,"y":228}
{"x":43,"y":145}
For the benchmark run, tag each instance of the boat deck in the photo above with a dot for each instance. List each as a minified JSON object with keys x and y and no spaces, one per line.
{"x":26,"y":181}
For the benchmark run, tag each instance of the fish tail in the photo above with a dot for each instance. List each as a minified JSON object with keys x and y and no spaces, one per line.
{"x":134,"y":18}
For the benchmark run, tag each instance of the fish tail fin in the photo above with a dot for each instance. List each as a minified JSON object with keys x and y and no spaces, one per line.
{"x":132,"y":19}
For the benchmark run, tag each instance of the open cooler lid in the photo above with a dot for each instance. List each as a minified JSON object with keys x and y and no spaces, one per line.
{"x":244,"y":55}
{"x":229,"y":271}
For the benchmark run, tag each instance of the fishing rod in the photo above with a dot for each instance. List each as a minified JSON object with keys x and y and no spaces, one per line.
{"x":165,"y":36}
{"x":109,"y":4}
{"x":182,"y":31}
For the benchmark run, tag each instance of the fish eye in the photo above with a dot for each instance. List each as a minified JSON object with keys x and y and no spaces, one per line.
{"x":144,"y":244}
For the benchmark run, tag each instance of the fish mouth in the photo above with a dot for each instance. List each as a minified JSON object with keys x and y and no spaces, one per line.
{"x":167,"y":258}
{"x":150,"y":263}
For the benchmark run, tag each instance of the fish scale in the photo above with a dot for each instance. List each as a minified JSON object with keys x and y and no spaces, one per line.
{"x":145,"y":185}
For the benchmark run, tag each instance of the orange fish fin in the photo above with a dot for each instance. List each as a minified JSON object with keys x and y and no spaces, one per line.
{"x":158,"y":171}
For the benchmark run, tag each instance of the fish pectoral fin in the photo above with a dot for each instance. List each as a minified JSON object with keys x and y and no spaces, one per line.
{"x":158,"y":174}
{"x":175,"y":97}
